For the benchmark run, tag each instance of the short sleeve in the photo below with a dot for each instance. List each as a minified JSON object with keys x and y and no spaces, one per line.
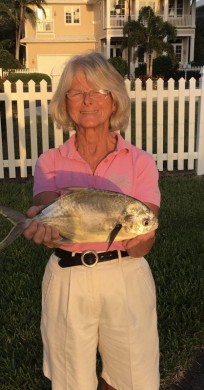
{"x":45,"y":173}
{"x":147,"y":186}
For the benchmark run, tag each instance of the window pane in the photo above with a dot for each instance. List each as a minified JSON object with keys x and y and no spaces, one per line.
{"x":68,"y":17}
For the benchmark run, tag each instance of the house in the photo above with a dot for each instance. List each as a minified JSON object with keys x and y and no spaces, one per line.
{"x":74,"y":27}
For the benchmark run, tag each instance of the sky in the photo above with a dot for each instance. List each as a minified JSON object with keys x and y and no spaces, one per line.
{"x":199,"y":3}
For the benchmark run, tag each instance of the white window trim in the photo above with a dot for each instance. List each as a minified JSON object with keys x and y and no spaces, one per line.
{"x":72,"y":7}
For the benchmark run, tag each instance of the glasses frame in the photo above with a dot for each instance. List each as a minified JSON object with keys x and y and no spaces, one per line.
{"x":81,"y":95}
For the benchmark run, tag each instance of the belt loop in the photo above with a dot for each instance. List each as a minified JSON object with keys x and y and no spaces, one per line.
{"x":119,"y":257}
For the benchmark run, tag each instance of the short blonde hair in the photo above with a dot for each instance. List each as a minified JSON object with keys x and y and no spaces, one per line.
{"x":101,"y":75}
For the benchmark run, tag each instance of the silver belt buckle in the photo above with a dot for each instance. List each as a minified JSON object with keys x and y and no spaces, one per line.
{"x":87,"y":262}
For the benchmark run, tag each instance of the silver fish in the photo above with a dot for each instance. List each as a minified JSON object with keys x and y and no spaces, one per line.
{"x":87,"y":215}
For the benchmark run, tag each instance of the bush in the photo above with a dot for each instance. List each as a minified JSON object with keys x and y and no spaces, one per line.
{"x":163,"y":66}
{"x":7,"y":61}
{"x":119,"y":64}
{"x":189,"y":74}
{"x":26,"y":77}
{"x":141,"y":70}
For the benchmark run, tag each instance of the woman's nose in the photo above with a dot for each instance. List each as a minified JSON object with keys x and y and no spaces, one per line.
{"x":87,"y":98}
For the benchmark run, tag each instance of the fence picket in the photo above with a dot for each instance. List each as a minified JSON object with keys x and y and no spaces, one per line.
{"x":191,"y":124}
{"x":138,"y":112}
{"x":181,"y":116}
{"x":149,"y":115}
{"x":21,"y":129}
{"x":128,"y":129}
{"x":10,"y":162}
{"x":33,"y":124}
{"x":170,"y":125}
{"x":44,"y":115}
{"x":160,"y":124}
{"x":200,"y":130}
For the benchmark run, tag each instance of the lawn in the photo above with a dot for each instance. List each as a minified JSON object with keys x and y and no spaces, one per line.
{"x":177,"y":262}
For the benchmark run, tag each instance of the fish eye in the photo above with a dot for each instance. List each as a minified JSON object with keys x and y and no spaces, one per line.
{"x":145,"y":222}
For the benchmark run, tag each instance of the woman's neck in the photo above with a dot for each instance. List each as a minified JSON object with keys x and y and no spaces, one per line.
{"x":94,"y":146}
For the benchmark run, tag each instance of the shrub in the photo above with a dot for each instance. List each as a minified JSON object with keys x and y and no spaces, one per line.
{"x":141,"y":70}
{"x":189,"y":74}
{"x":119,"y":64}
{"x":7,"y":61}
{"x":26,"y":77}
{"x":163,"y":66}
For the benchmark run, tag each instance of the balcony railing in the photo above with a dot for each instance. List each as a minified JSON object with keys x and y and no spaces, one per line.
{"x":183,"y":21}
{"x":118,"y":21}
{"x":44,"y":27}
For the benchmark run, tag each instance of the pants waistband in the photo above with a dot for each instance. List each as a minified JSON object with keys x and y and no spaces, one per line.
{"x":88,"y":258}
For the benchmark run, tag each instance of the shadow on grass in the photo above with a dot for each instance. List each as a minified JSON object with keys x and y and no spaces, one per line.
{"x":194,"y":377}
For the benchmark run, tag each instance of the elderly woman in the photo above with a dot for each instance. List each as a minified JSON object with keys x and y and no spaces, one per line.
{"x":112,"y":305}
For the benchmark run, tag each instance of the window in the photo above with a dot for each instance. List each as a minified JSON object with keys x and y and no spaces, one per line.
{"x":178,"y":49}
{"x":72,"y":15}
{"x":179,"y":8}
{"x":115,"y":52}
{"x":176,"y":8}
{"x":44,"y":22}
{"x":171,"y":8}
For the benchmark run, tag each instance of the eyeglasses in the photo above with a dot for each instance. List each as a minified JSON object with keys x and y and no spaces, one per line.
{"x":76,"y":96}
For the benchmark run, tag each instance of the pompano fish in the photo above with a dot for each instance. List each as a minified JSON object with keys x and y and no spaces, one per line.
{"x":88,"y":215}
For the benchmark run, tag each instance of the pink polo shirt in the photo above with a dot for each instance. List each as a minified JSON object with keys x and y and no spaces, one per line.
{"x":127,"y":170}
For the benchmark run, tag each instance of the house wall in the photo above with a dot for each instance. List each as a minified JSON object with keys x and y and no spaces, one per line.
{"x":62,"y":40}
{"x":96,"y":31}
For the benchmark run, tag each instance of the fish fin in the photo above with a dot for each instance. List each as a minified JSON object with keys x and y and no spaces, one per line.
{"x":114,"y":233}
{"x":18,"y":220}
{"x":15,"y":232}
{"x":13,"y":216}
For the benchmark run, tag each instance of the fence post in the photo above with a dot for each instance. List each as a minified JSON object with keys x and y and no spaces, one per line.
{"x":200,"y":129}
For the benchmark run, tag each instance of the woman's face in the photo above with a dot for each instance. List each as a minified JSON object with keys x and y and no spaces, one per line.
{"x":86,"y":112}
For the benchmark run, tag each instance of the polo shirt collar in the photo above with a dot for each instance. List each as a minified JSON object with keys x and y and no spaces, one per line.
{"x":68,"y":149}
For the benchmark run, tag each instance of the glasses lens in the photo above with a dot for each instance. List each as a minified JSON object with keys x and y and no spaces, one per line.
{"x":98,"y":95}
{"x":75,"y":95}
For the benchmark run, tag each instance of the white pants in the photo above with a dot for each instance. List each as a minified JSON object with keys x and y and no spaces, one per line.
{"x":112,"y":306}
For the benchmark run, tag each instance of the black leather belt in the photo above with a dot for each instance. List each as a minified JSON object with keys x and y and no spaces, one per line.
{"x":88,"y":258}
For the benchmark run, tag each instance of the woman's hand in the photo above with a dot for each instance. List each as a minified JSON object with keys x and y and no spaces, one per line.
{"x":41,"y":233}
{"x":141,"y":245}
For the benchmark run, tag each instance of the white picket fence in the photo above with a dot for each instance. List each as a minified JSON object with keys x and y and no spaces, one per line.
{"x":166,"y":120}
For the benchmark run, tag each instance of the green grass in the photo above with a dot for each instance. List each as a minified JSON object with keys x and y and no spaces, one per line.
{"x":177,"y":261}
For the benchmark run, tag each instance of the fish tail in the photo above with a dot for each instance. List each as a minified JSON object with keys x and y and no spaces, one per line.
{"x":18,"y":220}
